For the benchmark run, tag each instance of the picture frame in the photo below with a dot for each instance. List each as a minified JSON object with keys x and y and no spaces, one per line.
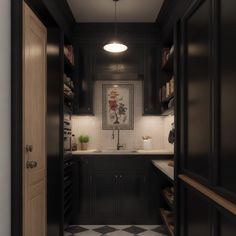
{"x":118,"y":106}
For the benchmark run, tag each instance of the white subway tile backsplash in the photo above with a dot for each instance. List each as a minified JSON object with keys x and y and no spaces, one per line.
{"x":154,"y":126}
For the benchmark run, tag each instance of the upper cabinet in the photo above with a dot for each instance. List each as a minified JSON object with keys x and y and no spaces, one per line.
{"x":142,"y":61}
{"x":84,"y":79}
{"x":151,"y":79}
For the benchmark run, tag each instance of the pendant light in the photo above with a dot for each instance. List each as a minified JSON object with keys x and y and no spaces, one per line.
{"x":115,"y":46}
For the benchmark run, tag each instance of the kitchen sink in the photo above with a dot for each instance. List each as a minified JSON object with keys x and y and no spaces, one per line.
{"x":116,"y":151}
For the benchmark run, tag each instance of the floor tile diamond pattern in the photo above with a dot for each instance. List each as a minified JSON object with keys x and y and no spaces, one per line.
{"x":115,"y":230}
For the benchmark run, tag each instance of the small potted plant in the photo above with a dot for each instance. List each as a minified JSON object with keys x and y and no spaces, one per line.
{"x":84,"y":139}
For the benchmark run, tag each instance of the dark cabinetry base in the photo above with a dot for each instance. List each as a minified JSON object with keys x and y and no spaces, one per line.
{"x":118,"y":190}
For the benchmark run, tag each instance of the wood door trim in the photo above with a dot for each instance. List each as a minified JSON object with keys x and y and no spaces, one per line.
{"x":231,"y":207}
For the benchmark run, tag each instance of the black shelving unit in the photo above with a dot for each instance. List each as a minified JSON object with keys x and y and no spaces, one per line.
{"x":167,"y":73}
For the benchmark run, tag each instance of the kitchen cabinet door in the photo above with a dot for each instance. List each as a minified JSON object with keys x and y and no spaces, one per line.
{"x":104,"y":196}
{"x":196,"y":91}
{"x":152,"y":79}
{"x":84,"y":187}
{"x":83,"y":102}
{"x":132,"y":202}
{"x":225,"y":96}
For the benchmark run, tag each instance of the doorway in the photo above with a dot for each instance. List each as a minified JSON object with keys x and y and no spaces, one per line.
{"x":37,"y":154}
{"x":34,"y":123}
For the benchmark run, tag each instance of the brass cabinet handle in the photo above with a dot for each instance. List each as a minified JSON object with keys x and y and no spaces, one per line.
{"x":31,"y":164}
{"x":29,"y":148}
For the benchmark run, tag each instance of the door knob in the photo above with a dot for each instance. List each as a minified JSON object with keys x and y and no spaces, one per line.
{"x":29,"y":148}
{"x":31,"y":164}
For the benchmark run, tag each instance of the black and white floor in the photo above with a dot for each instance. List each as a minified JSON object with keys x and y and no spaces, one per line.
{"x":115,"y":230}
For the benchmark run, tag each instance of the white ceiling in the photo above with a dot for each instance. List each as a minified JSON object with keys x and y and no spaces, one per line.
{"x":127,"y":10}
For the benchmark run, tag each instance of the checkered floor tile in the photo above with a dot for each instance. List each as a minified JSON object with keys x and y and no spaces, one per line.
{"x":115,"y":230}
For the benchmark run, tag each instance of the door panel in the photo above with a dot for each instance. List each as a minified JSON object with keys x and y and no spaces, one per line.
{"x":133,"y":199}
{"x":226,"y":226}
{"x":196,"y":213}
{"x":104,"y":191}
{"x":34,"y":123}
{"x":227,"y":87}
{"x":197,"y":88}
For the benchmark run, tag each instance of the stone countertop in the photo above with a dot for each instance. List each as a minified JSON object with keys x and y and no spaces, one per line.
{"x":163,"y":166}
{"x":122,"y":152}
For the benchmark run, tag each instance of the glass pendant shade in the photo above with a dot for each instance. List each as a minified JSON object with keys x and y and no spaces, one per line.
{"x":115,"y":47}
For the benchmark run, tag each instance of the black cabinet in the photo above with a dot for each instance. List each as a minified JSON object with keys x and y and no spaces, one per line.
{"x":104,"y":191}
{"x":117,"y":190}
{"x":83,"y":102}
{"x":142,"y":61}
{"x":196,"y":87}
{"x":207,"y":91}
{"x":152,"y":81}
{"x":202,"y":216}
{"x":205,"y":116}
{"x":83,"y":202}
{"x":133,"y":195}
{"x":225,"y":114}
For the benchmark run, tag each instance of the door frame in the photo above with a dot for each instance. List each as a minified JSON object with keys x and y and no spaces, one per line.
{"x":16,"y":118}
{"x":17,"y":105}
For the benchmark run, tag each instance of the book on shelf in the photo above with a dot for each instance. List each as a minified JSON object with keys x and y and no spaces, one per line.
{"x":165,"y":53}
{"x":163,"y":93}
{"x":172,"y":85}
{"x":69,"y":53}
{"x":167,"y":89}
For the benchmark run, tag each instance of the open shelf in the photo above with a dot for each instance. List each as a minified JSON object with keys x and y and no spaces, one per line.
{"x":168,"y":220}
{"x":166,"y":100}
{"x":168,"y":195}
{"x":169,"y":65}
{"x":167,"y":112}
{"x":68,"y":67}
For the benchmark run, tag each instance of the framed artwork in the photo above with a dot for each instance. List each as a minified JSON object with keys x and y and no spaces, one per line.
{"x":118,"y":106}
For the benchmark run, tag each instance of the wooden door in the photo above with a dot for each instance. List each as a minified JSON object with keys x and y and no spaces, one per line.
{"x":34,"y":121}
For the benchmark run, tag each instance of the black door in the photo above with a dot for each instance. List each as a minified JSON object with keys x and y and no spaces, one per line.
{"x":133,"y":196}
{"x":206,"y":147}
{"x":104,"y":195}
{"x":84,"y":186}
{"x":225,"y":97}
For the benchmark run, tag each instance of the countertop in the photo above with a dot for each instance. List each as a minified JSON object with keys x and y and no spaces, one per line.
{"x":163,"y":166}
{"x":122,"y":152}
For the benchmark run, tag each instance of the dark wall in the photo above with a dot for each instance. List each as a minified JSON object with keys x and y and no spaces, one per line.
{"x":170,"y":12}
{"x":53,"y":12}
{"x":61,"y":12}
{"x":54,"y":157}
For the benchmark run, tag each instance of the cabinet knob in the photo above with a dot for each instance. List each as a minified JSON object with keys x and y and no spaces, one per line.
{"x":88,"y":108}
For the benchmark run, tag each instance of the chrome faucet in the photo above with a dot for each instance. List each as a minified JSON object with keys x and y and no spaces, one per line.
{"x":118,"y":146}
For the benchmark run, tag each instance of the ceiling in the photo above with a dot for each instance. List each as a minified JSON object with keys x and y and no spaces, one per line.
{"x":127,"y":10}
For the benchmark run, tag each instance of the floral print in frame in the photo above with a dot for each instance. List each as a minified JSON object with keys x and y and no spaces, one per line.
{"x":118,"y":106}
